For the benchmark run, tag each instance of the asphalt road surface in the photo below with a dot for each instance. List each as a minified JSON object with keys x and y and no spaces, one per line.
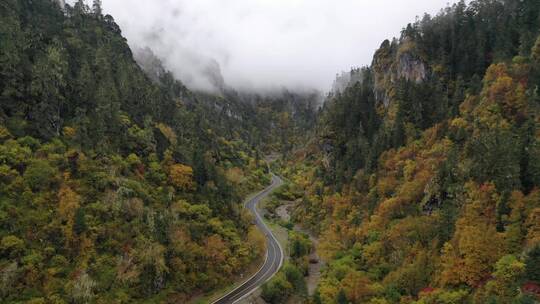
{"x":274,"y":252}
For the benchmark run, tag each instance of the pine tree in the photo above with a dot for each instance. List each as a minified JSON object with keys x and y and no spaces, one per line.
{"x":48,"y":88}
{"x":532,"y":264}
{"x":342,"y":298}
{"x":79,"y":225}
{"x":97,"y":9}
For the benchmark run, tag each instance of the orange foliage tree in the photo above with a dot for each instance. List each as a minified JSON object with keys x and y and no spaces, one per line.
{"x":181,"y":176}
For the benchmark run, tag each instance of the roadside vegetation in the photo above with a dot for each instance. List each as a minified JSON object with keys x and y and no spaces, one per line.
{"x":118,"y":185}
{"x":289,"y":284}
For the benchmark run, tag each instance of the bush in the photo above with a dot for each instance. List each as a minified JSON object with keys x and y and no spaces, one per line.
{"x":300,"y":244}
{"x":288,"y":281}
{"x":295,"y":277}
{"x":11,"y":246}
{"x":277,"y":290}
{"x":39,"y":175}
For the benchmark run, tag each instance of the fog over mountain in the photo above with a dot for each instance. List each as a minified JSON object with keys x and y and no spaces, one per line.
{"x":264,"y":44}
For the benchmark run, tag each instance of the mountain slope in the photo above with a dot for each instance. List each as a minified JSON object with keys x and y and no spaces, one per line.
{"x":422,"y":181}
{"x":113,"y":187}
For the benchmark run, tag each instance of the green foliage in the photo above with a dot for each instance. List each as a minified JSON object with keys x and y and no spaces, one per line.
{"x":299,"y":244}
{"x":277,"y":289}
{"x":39,"y":175}
{"x":508,"y":276}
{"x":295,"y":277}
{"x":11,"y":246}
{"x":342,"y":297}
{"x":525,"y":299}
{"x":116,"y":185}
{"x":79,"y":225}
{"x":532,"y":264}
{"x":288,"y":281}
{"x":445,"y":297}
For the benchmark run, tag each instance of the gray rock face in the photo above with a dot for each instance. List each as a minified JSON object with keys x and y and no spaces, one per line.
{"x":393,"y":62}
{"x":212,"y":71}
{"x":149,"y":62}
{"x":61,"y":3}
{"x":411,"y":68}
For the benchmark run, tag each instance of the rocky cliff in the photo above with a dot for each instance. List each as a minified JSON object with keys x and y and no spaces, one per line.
{"x":395,"y":61}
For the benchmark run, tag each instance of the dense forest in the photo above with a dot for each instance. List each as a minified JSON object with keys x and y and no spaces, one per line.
{"x":419,"y":175}
{"x":119,"y":184}
{"x":422,"y":180}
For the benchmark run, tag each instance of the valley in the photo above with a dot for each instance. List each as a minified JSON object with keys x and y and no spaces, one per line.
{"x":138,"y":175}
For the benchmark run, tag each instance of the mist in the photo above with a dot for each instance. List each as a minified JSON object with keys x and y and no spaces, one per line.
{"x":264,"y":44}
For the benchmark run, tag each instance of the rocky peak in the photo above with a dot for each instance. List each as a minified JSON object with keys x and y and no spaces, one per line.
{"x":409,"y":65}
{"x":394,"y":61}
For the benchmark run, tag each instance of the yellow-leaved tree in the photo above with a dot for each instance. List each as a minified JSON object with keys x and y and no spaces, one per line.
{"x":181,"y":176}
{"x":67,"y":207}
{"x":471,"y":254}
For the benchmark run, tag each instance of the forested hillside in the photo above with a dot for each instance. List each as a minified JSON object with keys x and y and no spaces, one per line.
{"x":116,"y":185}
{"x":282,"y":121}
{"x":423,"y":179}
{"x":420,"y":174}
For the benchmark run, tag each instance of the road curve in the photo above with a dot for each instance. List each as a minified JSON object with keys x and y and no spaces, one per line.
{"x":274,"y":252}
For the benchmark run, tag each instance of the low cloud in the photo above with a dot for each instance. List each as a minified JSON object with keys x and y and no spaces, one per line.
{"x":264,"y":44}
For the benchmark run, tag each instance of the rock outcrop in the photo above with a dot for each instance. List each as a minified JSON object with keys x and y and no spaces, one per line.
{"x":61,"y":3}
{"x":395,"y":61}
{"x":410,"y":68}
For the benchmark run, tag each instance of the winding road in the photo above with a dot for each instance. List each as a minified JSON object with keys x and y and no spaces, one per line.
{"x":274,"y":252}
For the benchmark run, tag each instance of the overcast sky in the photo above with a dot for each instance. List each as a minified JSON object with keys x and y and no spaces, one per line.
{"x":265,"y":43}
